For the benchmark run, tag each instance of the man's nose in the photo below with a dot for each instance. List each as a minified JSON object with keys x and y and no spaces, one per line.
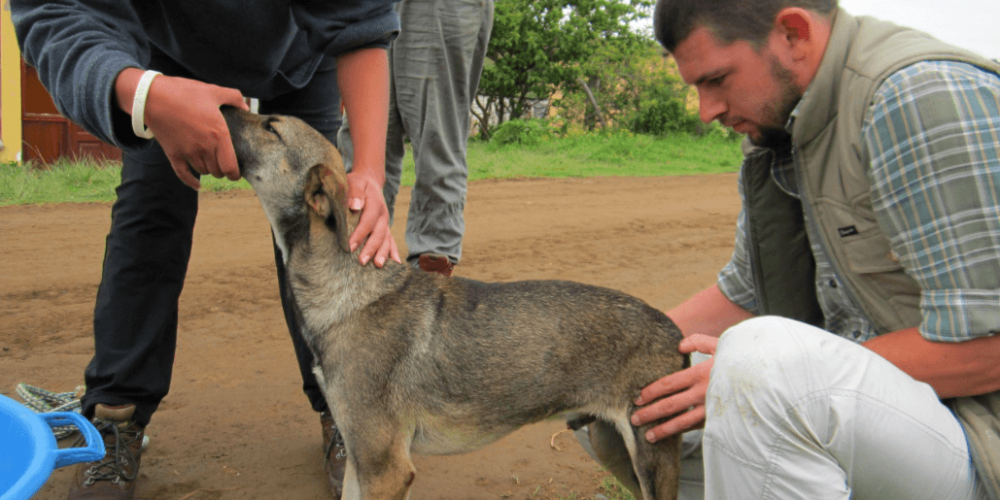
{"x":710,"y":107}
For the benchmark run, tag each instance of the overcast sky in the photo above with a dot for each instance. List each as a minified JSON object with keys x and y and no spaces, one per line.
{"x":970,"y":24}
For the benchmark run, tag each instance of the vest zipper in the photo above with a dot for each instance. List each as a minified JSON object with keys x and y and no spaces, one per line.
{"x":756,"y":273}
{"x":824,"y":245}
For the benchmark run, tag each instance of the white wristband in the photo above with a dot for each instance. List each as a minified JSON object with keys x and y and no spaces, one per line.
{"x":139,"y":105}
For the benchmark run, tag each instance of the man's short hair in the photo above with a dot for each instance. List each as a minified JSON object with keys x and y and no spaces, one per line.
{"x":728,"y":20}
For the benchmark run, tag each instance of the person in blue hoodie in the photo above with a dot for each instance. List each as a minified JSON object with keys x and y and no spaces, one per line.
{"x":149,"y":77}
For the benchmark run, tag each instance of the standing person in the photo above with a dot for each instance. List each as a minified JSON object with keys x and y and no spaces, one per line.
{"x":855,"y":330}
{"x":435,"y":66}
{"x":129,"y":72}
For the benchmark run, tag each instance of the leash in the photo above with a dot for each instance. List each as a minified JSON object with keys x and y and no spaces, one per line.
{"x":42,"y":401}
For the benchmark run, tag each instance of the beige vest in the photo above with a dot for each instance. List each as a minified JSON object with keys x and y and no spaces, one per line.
{"x":862,"y":52}
{"x":833,"y":176}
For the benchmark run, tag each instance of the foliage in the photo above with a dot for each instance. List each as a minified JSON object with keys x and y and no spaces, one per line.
{"x":538,"y":45}
{"x":523,"y":132}
{"x":661,"y":111}
{"x":636,"y":88}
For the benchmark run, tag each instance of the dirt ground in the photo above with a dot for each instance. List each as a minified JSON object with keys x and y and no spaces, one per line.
{"x":236,"y":424}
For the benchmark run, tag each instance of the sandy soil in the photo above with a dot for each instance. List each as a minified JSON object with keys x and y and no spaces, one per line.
{"x":236,"y":425}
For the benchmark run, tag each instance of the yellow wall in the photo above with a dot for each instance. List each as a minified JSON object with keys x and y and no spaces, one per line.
{"x":10,"y":87}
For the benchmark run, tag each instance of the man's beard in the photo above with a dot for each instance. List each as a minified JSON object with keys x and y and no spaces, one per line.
{"x":772,"y":130}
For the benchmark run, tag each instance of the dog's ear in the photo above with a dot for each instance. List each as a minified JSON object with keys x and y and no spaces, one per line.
{"x":326,"y":196}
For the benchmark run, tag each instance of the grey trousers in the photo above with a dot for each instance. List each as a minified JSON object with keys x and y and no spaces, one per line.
{"x":435,"y":65}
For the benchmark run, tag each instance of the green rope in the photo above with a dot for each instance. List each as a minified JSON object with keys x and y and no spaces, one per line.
{"x":42,"y":401}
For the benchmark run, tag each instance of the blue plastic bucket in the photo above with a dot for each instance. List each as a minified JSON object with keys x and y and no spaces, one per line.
{"x":28,"y":449}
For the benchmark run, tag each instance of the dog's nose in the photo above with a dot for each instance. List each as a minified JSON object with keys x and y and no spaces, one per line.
{"x":236,"y":121}
{"x":234,"y":117}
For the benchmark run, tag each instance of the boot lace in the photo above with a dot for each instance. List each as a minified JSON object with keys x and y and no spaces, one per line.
{"x":337,"y":442}
{"x":120,"y":464}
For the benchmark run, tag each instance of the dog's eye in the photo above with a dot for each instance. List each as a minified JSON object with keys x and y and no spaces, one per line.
{"x":270,"y":128}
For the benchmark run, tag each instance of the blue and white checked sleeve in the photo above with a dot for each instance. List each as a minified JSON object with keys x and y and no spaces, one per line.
{"x":933,"y":140}
{"x":735,"y":279}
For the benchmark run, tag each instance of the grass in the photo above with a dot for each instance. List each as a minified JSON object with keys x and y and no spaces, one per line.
{"x":600,"y":155}
{"x":590,"y":155}
{"x":67,"y":181}
{"x":614,"y":490}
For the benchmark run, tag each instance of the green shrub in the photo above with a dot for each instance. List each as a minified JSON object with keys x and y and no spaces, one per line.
{"x":661,"y":113}
{"x":529,"y":132}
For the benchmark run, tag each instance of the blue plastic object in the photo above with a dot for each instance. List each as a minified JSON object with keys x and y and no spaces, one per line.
{"x":28,"y":449}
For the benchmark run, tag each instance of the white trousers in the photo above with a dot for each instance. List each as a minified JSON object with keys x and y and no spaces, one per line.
{"x":794,"y":412}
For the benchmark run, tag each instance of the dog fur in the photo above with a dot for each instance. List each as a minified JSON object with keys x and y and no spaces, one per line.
{"x":416,"y":362}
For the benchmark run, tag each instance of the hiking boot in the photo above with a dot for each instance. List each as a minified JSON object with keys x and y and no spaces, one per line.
{"x":435,"y":263}
{"x":112,"y":477}
{"x":335,"y":453}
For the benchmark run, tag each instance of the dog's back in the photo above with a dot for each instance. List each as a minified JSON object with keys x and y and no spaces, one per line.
{"x":519,"y":352}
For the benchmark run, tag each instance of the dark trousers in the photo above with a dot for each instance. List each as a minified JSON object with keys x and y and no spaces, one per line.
{"x":146,"y":259}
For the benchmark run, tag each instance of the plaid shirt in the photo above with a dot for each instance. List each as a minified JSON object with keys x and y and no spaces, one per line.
{"x":932,"y":138}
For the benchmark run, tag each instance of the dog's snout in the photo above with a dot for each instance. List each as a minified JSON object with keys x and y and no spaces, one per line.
{"x":236,"y":121}
{"x":235,"y":118}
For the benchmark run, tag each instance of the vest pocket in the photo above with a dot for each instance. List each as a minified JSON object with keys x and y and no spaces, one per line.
{"x":869,"y":252}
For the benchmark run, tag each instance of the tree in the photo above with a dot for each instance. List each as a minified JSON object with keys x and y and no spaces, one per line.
{"x":538,"y":45}
{"x":635,"y":87}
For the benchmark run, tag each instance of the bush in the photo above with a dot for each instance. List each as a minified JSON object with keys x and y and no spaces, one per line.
{"x":529,"y":132}
{"x":662,"y":113}
{"x":716,"y":129}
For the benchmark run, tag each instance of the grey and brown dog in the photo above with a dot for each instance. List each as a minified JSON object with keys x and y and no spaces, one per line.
{"x":416,"y":362}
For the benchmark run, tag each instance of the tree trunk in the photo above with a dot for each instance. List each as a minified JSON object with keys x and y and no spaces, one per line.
{"x":593,"y":101}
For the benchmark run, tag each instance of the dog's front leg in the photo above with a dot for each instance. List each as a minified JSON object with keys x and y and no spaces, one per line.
{"x":378,"y":466}
{"x":389,"y":481}
{"x":352,"y":490}
{"x":320,"y":379}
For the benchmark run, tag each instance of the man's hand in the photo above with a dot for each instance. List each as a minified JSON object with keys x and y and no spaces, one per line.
{"x":185,"y":119}
{"x":363,"y":79}
{"x":364,"y":194}
{"x":685,"y":394}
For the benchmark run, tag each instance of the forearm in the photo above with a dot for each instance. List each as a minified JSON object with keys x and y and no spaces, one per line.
{"x":708,"y":312}
{"x":125,"y":86}
{"x":952,"y":369}
{"x":363,"y":78}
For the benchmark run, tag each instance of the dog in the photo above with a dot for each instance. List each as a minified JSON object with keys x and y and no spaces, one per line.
{"x":414,"y":362}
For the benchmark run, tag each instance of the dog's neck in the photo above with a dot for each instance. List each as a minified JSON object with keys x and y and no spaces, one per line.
{"x":330,"y":283}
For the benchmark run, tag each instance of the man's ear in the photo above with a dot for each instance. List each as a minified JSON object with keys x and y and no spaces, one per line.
{"x":798,"y":40}
{"x":326,"y":197}
{"x":793,"y":35}
{"x":795,"y":23}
